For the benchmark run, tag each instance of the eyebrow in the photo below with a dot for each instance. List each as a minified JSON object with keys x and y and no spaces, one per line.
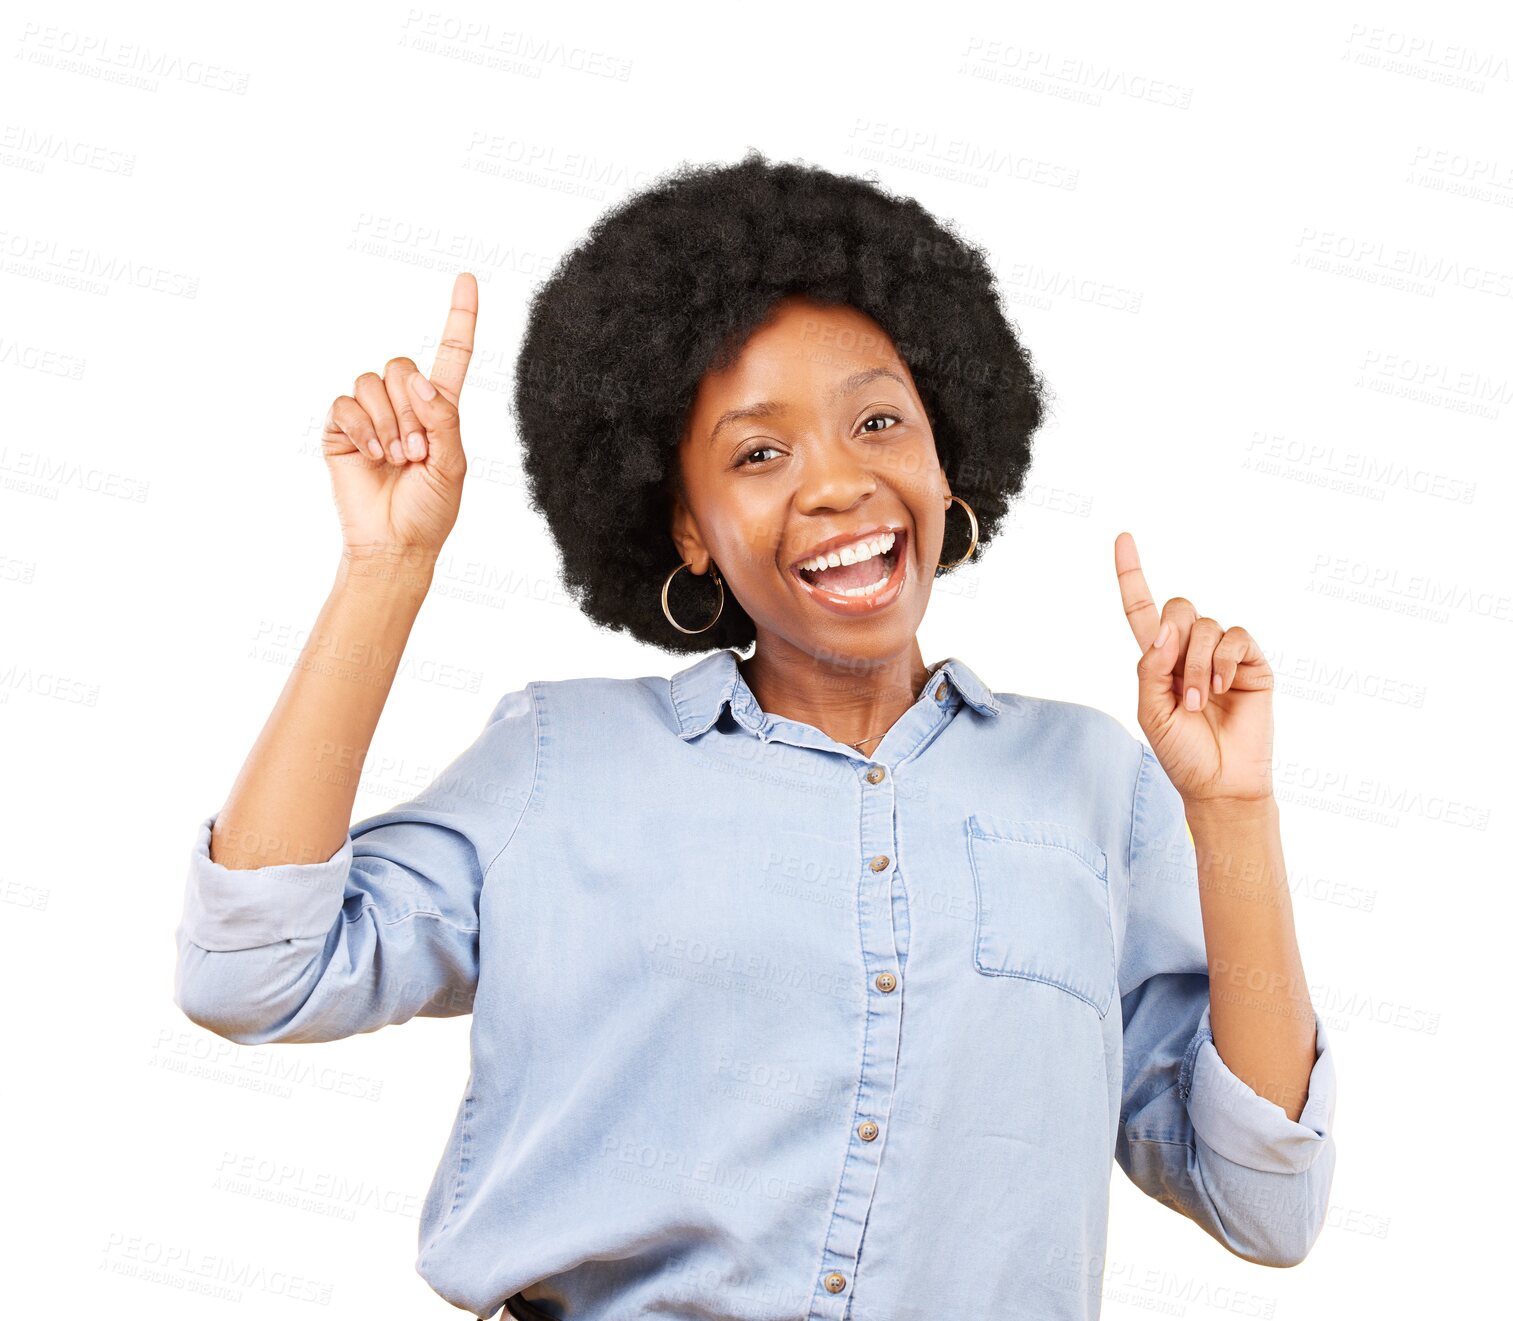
{"x":767,"y":407}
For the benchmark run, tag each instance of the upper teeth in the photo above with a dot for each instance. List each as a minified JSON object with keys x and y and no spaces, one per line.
{"x":853,"y":553}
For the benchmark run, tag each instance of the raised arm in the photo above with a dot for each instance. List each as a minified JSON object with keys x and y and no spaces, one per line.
{"x":396,"y":465}
{"x":297,"y":926}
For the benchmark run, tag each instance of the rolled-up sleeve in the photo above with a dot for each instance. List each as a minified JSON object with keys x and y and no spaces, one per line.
{"x":1192,"y":1134}
{"x":384,"y":930}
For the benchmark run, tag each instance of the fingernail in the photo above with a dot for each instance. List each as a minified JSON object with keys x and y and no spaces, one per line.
{"x":1192,"y":699}
{"x":416,"y":443}
{"x":1165,"y":629}
{"x":395,"y":453}
{"x":375,"y":449}
{"x":422,"y":386}
{"x":1217,"y":681}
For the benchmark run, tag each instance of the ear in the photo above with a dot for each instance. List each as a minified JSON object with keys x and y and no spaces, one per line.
{"x":686,"y":537}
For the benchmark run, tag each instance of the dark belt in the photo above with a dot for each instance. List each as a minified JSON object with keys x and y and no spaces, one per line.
{"x":518,"y":1306}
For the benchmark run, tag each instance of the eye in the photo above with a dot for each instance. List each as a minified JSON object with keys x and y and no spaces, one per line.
{"x":879,"y":417}
{"x":760,"y":449}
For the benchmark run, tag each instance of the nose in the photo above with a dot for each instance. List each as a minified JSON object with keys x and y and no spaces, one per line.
{"x":833,"y":479}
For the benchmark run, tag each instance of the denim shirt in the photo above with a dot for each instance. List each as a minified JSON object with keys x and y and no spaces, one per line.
{"x":765,"y":1027}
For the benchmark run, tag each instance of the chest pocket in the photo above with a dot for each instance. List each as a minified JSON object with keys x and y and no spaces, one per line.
{"x":1042,"y":907}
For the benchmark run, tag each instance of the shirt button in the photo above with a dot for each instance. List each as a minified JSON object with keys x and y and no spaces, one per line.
{"x":875,"y":775}
{"x":880,"y":862}
{"x":835,"y":1282}
{"x":940,"y":693}
{"x":885,"y":981}
{"x":866,"y":1130}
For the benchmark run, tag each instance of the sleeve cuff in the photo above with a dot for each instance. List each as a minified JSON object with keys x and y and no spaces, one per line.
{"x":231,"y":910}
{"x":1245,"y":1127}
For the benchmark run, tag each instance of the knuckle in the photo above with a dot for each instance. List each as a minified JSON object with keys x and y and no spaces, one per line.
{"x":355,"y":425}
{"x":359,"y":421}
{"x":398,"y":367}
{"x":365,"y":381}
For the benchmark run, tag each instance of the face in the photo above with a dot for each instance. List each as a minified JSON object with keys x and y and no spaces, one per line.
{"x":814,"y":442}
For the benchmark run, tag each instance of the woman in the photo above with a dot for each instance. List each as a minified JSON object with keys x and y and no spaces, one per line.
{"x":814,"y":982}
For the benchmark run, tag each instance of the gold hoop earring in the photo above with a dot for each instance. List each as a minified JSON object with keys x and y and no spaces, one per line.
{"x":973,"y":517}
{"x":667,"y":582}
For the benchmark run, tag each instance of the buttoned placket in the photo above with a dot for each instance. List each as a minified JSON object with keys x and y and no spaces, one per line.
{"x":882,"y":917}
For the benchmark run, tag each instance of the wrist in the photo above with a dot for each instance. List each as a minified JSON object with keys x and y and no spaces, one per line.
{"x":1205,"y":812}
{"x":395,"y":570}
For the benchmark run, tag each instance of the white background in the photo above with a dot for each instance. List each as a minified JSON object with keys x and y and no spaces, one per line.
{"x":1262,"y":255}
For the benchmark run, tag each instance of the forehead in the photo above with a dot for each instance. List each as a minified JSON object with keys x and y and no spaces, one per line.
{"x":798,"y":352}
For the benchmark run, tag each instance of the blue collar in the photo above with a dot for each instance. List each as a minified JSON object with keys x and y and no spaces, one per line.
{"x":701,"y":690}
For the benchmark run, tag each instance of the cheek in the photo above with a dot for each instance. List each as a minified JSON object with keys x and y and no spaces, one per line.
{"x":750,"y":532}
{"x":927,"y":500}
{"x":916,"y":471}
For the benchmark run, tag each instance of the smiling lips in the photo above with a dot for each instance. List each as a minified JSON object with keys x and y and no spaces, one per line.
{"x":858,"y":576}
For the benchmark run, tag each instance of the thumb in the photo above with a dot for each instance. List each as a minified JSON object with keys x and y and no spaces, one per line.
{"x":438,"y":415}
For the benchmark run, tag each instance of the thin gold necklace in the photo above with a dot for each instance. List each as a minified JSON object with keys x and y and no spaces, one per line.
{"x":929,"y":674}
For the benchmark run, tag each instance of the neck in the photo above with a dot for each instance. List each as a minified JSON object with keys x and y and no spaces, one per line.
{"x":853,"y":699}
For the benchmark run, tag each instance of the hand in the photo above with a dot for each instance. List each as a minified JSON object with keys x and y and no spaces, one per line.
{"x":394,"y":446}
{"x":1221,"y":749}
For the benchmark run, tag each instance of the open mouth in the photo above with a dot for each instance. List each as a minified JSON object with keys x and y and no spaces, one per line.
{"x":864,"y":583}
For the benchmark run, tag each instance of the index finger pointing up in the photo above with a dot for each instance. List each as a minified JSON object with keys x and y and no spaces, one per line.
{"x":456,"y":348}
{"x":1144,"y":618}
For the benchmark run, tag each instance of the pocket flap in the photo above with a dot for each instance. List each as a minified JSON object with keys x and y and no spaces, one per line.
{"x":1042,"y":832}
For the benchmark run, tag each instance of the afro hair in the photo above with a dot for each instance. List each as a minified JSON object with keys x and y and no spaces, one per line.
{"x":667,"y":286}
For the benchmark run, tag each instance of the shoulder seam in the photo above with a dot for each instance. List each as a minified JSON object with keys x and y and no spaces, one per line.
{"x":530,"y":689}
